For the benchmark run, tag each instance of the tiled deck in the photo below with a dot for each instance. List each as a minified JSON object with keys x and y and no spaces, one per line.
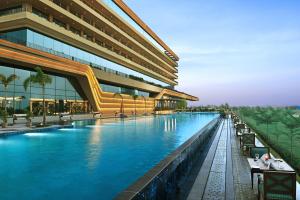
{"x":225,"y":173}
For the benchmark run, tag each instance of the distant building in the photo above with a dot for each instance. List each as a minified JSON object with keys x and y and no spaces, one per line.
{"x":99,"y":53}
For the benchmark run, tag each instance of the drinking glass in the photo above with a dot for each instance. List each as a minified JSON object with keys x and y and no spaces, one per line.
{"x":256,"y":157}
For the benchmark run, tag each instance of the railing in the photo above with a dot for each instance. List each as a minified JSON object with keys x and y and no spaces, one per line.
{"x":106,"y":69}
{"x":12,"y":11}
{"x":61,"y":54}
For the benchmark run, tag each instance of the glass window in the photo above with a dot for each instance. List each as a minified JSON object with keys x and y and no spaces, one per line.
{"x":60,"y":92}
{"x":66,"y":49}
{"x":69,"y":85}
{"x":50,"y":92}
{"x":20,"y":89}
{"x":48,"y":43}
{"x":36,"y":90}
{"x":60,"y":83}
{"x":22,"y":76}
{"x":60,"y":97}
{"x":29,"y":38}
{"x":70,"y":93}
{"x":6,"y":70}
{"x":45,"y":43}
{"x":57,"y":46}
{"x":38,"y":39}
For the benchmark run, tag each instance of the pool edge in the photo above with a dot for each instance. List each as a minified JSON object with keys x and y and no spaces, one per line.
{"x":150,"y":184}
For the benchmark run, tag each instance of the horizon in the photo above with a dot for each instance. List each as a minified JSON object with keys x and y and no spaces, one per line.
{"x":242,"y":53}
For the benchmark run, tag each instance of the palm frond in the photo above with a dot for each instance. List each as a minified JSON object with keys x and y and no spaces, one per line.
{"x":47,"y":79}
{"x":30,"y":79}
{"x":2,"y":77}
{"x":39,"y":78}
{"x":11,"y":78}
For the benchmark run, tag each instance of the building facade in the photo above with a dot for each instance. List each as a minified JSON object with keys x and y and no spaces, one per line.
{"x":101,"y":56}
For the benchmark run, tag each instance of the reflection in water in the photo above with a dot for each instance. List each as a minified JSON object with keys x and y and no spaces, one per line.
{"x":170,"y":124}
{"x":94,"y":145}
{"x":93,"y":162}
{"x":37,"y":134}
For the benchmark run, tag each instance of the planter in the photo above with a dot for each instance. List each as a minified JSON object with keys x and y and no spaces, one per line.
{"x":4,"y":124}
{"x":29,"y":124}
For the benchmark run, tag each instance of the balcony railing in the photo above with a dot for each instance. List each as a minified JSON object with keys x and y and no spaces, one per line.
{"x":106,"y":69}
{"x":12,"y":11}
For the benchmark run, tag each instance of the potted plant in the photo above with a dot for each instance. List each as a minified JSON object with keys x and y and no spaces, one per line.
{"x":29,"y":116}
{"x":4,"y":116}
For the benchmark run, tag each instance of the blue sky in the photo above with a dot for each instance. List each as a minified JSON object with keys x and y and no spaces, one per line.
{"x":244,"y":52}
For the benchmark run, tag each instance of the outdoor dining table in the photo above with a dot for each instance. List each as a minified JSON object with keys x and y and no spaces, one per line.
{"x":258,"y":166}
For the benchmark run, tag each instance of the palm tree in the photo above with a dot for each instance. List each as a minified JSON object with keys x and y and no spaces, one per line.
{"x":122,"y":107}
{"x":135,"y":97}
{"x":145,"y":101}
{"x":6,"y":81}
{"x":42,"y":79}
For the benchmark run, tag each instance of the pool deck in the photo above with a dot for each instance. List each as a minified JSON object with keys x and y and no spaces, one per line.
{"x":225,"y":173}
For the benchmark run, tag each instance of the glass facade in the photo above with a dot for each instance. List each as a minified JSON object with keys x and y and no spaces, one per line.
{"x":60,"y":95}
{"x":123,"y":90}
{"x":41,"y":42}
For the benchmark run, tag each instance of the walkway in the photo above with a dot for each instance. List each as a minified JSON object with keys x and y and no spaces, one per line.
{"x":225,"y":173}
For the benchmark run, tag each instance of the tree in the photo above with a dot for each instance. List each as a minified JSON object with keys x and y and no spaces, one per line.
{"x":122,"y":99}
{"x":267,"y":117}
{"x":181,"y":104}
{"x":135,"y":97}
{"x":6,"y":81}
{"x":145,"y":101}
{"x":42,"y":79}
{"x":293,"y":124}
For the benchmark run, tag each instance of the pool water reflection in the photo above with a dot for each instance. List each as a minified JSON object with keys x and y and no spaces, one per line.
{"x":93,"y":160}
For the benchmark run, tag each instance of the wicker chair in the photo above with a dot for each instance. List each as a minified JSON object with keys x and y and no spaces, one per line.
{"x":277,"y":185}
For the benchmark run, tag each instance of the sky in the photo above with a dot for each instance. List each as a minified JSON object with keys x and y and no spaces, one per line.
{"x":243,"y":52}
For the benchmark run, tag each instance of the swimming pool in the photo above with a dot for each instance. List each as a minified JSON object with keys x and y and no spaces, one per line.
{"x":93,"y":160}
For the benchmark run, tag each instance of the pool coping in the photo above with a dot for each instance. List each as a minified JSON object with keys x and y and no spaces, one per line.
{"x":6,"y":133}
{"x":142,"y":182}
{"x":38,"y":129}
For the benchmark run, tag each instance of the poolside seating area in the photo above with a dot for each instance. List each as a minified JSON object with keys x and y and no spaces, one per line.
{"x":238,"y":166}
{"x":276,"y":179}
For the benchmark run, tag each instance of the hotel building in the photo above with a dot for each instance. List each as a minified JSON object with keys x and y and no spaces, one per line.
{"x":102,"y":57}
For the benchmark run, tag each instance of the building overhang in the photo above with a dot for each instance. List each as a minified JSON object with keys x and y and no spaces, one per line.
{"x":176,"y":94}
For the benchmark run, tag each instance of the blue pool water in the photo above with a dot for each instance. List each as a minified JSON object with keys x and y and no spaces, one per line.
{"x":94,"y":160}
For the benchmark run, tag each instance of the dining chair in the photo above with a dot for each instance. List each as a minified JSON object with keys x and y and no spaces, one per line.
{"x":277,"y":185}
{"x":247,"y":141}
{"x":260,"y":151}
